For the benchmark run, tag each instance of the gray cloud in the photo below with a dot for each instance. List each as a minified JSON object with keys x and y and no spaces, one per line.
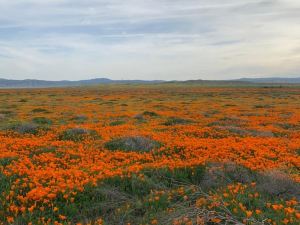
{"x":151,"y":39}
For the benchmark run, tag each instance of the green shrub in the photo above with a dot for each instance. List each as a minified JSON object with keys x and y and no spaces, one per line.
{"x":80,"y":118}
{"x":42,"y":121}
{"x":77,"y":134}
{"x":42,"y":150}
{"x":139,"y":118}
{"x":175,"y":121}
{"x":6,"y":112}
{"x":24,"y":128}
{"x":183,"y":175}
{"x":117,"y":123}
{"x":23,"y":100}
{"x":136,"y":143}
{"x":6,"y":161}
{"x":278,"y":184}
{"x":131,"y":185}
{"x":2,"y":117}
{"x":40,"y":110}
{"x":211,"y":113}
{"x":150,"y":113}
{"x":266,"y":106}
{"x":5,"y":186}
{"x":221,"y":174}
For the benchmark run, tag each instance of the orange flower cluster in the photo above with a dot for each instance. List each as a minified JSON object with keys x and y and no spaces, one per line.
{"x":244,"y":201}
{"x":218,"y":124}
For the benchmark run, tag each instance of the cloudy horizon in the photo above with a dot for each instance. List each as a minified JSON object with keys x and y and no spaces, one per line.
{"x":149,"y":39}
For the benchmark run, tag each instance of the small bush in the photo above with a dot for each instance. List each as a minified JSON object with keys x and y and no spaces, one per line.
{"x":42,"y":120}
{"x":5,"y":187}
{"x":211,"y":113}
{"x":2,"y":117}
{"x":23,"y":100}
{"x":131,"y":185}
{"x":266,"y":106}
{"x":175,"y":121}
{"x":234,"y":130}
{"x":221,"y":174}
{"x":117,"y":123}
{"x":136,"y":143}
{"x":278,"y":184}
{"x":25,"y":128}
{"x":42,"y":150}
{"x":288,"y":126}
{"x":77,"y":134}
{"x":80,"y":118}
{"x":40,"y":110}
{"x":241,"y":131}
{"x":6,"y":161}
{"x":229,"y":121}
{"x":6,"y":112}
{"x":181,"y":176}
{"x":257,"y":133}
{"x":150,"y":113}
{"x":139,"y":117}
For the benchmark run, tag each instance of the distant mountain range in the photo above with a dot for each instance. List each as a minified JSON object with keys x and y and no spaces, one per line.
{"x":277,"y":80}
{"x":31,"y":83}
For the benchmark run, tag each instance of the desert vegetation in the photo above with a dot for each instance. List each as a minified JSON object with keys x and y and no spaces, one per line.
{"x":150,"y":154}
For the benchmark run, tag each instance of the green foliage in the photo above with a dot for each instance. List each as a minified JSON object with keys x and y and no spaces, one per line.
{"x":246,"y":199}
{"x":266,"y":106}
{"x":6,"y":112}
{"x":77,"y":134}
{"x":42,"y":150}
{"x":117,"y":123}
{"x":5,"y":184}
{"x":24,"y":127}
{"x":176,"y":121}
{"x":42,"y":121}
{"x":6,"y":161}
{"x":131,"y":185}
{"x":177,"y":176}
{"x":80,"y":118}
{"x":150,"y":113}
{"x":23,"y":100}
{"x":136,"y":143}
{"x":40,"y":110}
{"x":221,"y":174}
{"x":146,"y":195}
{"x":4,"y":188}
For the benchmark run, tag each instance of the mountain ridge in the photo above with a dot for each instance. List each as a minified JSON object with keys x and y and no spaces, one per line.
{"x":36,"y":83}
{"x":31,"y":83}
{"x":280,"y":80}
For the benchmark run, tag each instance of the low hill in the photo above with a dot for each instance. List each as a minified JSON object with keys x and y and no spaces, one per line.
{"x":277,"y":80}
{"x":31,"y":83}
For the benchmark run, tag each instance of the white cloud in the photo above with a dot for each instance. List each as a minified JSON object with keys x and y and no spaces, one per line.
{"x":152,"y":39}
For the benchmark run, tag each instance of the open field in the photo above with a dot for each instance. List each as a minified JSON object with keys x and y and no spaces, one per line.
{"x":150,"y":154}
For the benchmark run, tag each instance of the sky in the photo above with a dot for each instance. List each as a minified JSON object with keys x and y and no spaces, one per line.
{"x":149,"y":39}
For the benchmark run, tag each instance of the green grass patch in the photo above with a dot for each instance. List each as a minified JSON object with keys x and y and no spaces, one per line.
{"x":135,"y":143}
{"x":117,"y":123}
{"x":42,"y":121}
{"x":177,"y":121}
{"x":150,"y":113}
{"x":40,"y":110}
{"x":77,"y":134}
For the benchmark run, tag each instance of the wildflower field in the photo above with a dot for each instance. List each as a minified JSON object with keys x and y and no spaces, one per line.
{"x":150,"y":154}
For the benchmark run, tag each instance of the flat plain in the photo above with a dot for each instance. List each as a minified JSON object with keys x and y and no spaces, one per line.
{"x":150,"y":154}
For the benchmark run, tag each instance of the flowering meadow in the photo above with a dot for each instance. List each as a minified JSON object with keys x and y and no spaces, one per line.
{"x":150,"y":154}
